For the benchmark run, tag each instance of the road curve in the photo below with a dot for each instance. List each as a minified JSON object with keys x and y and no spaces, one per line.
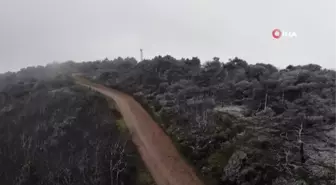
{"x":155,"y":147}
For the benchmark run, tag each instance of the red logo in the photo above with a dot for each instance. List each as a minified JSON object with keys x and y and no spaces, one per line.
{"x":276,"y":33}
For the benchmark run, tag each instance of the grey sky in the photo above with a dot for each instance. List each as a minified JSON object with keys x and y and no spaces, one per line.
{"x":37,"y":32}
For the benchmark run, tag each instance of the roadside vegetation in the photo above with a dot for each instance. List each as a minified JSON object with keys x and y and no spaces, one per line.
{"x":239,"y":123}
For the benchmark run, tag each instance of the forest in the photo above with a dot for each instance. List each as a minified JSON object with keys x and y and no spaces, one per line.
{"x":236,"y":123}
{"x":54,"y":132}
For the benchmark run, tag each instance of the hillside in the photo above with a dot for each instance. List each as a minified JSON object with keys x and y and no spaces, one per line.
{"x":55,"y":132}
{"x":236,"y":123}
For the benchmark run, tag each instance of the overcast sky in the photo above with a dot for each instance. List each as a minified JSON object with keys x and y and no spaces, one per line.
{"x":37,"y":32}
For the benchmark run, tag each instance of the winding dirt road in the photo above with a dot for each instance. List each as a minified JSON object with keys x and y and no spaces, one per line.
{"x":155,"y":147}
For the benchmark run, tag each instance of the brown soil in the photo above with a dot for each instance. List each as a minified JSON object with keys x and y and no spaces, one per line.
{"x":155,"y":147}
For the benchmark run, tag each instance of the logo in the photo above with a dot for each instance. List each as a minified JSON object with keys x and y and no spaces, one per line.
{"x":277,"y":34}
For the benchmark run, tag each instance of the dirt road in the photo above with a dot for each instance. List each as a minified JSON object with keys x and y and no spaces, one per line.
{"x":155,"y":147}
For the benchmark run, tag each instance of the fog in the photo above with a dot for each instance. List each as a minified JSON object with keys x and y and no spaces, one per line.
{"x":37,"y":32}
